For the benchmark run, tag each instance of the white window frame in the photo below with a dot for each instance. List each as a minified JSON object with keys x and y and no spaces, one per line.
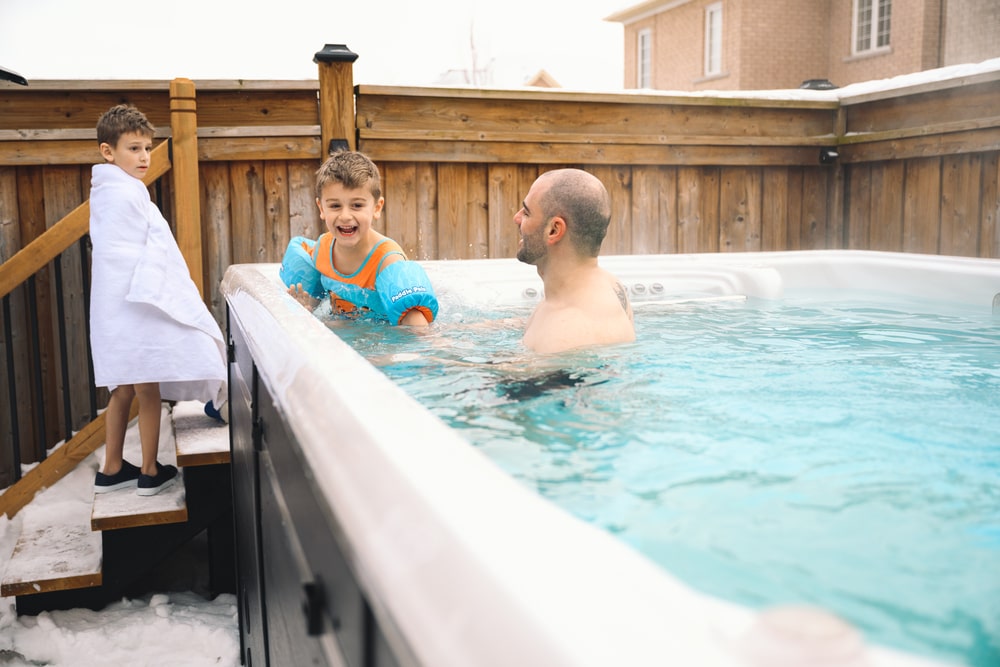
{"x":874,"y":34}
{"x":713,"y":39}
{"x":644,"y":58}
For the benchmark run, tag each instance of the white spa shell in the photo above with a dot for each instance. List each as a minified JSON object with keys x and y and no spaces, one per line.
{"x":462,"y":564}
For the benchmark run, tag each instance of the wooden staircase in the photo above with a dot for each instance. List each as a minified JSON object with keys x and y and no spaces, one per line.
{"x":90,"y":558}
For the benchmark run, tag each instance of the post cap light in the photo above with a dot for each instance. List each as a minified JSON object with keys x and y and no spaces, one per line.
{"x":335,"y":53}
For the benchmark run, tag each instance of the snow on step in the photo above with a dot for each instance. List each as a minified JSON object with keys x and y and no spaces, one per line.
{"x":56,"y":550}
{"x":125,"y":508}
{"x":53,"y":558}
{"x":200,"y":439}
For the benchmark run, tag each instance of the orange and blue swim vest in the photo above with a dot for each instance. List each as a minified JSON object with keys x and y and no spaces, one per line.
{"x":388,"y":292}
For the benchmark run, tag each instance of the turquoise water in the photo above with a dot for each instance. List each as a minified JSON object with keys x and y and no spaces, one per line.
{"x":840,"y":453}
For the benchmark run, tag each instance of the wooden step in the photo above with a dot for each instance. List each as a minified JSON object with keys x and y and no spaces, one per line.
{"x":67,"y":554}
{"x":124,"y":508}
{"x":53,"y":558}
{"x":200,"y":440}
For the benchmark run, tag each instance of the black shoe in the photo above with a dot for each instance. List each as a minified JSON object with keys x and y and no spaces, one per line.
{"x":219,"y":414}
{"x":150,"y":485}
{"x":122,"y":479}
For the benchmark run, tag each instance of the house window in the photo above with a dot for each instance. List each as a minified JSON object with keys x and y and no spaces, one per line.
{"x":872,"y":20}
{"x":645,"y":59}
{"x":713,"y":39}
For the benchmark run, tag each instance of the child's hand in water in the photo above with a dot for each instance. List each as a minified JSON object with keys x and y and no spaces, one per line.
{"x":303,"y":297}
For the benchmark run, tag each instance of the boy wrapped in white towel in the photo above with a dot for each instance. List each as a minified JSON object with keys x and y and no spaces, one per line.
{"x":152,"y":336}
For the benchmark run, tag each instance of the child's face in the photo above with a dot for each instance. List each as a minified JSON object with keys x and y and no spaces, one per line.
{"x":348,"y":213}
{"x":131,"y":153}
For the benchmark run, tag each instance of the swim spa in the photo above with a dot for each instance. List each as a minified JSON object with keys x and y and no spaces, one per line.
{"x":409,"y":544}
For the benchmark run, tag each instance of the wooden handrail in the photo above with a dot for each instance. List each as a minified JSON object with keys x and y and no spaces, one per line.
{"x":42,"y":250}
{"x":57,"y":465}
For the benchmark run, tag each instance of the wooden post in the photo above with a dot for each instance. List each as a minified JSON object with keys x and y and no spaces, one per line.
{"x":336,"y":97}
{"x":187,"y":192}
{"x":837,"y":226}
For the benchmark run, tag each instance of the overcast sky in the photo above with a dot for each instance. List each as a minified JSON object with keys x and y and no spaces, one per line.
{"x":399,"y":42}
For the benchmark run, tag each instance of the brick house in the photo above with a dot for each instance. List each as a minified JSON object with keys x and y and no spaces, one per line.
{"x":772,"y":44}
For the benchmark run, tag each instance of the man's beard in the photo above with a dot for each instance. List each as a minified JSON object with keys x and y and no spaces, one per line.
{"x":532,"y":249}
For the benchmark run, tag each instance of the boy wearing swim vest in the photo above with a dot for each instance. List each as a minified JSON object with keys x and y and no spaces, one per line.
{"x":362,"y":271}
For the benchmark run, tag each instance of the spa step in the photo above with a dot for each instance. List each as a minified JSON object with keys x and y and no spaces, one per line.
{"x":69,"y":556}
{"x":54,"y":558}
{"x":198,"y":441}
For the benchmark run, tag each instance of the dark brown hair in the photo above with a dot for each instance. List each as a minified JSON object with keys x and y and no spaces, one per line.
{"x":353,"y":170}
{"x":122,"y":119}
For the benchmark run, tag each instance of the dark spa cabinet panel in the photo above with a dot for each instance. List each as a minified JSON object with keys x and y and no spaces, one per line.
{"x":299,"y":600}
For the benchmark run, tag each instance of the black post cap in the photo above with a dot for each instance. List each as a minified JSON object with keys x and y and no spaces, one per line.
{"x":335,"y":53}
{"x":817,"y":84}
{"x":11,"y":75}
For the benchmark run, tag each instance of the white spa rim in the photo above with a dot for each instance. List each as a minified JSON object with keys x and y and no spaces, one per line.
{"x":464,"y":566}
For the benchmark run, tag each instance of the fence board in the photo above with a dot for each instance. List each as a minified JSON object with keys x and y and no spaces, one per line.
{"x":815,"y":209}
{"x":63,"y":193}
{"x":276,"y":209}
{"x":303,"y":215}
{"x":645,"y":210}
{"x":739,"y":209}
{"x":796,"y":209}
{"x":77,"y":109}
{"x":248,"y":218}
{"x":774,"y":214}
{"x":554,"y":153}
{"x":216,"y":222}
{"x":990,"y":236}
{"x":223,"y":108}
{"x":923,"y":109}
{"x":709,"y":205}
{"x":10,"y":243}
{"x":922,"y":205}
{"x":667,"y":210}
{"x":688,"y":212}
{"x":427,"y":208}
{"x":923,"y":145}
{"x":503,"y":203}
{"x":528,"y":117}
{"x":477,"y":202}
{"x":216,"y":149}
{"x":399,"y":217}
{"x":618,"y":181}
{"x":453,"y":231}
{"x":859,"y":206}
{"x":33,"y":223}
{"x":960,"y":204}
{"x":886,"y":228}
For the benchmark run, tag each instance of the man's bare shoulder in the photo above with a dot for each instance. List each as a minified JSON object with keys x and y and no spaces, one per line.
{"x":597,"y":314}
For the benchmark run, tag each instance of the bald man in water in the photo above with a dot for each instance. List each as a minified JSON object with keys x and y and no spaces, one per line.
{"x":562,"y":223}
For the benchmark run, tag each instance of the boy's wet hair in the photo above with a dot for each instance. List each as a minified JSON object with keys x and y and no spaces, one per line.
{"x":352,"y":170}
{"x":122,"y":119}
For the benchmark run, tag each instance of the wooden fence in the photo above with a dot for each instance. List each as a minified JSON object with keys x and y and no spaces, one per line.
{"x":916,"y":170}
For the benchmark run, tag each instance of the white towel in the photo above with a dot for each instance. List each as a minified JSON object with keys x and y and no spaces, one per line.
{"x":147,"y":320}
